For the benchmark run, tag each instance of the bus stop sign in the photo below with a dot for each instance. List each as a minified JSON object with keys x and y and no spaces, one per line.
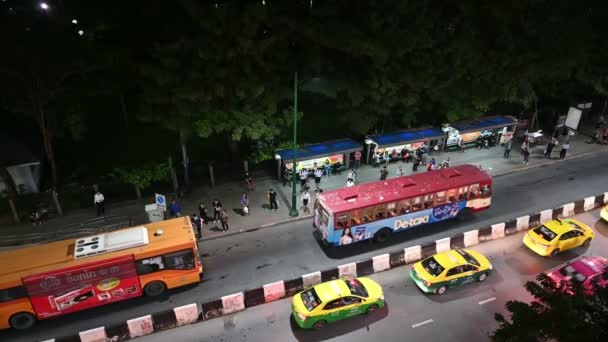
{"x":161,"y":202}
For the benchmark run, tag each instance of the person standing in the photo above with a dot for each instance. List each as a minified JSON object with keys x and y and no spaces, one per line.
{"x":303,"y":179}
{"x":400,"y":171}
{"x":376,"y":159}
{"x":352,"y":175}
{"x":386,"y":157}
{"x":327,"y":168}
{"x":383,"y":173}
{"x":245,"y":203}
{"x":318,"y":174}
{"x":272,"y":199}
{"x":508,"y":147}
{"x":174,"y":209}
{"x":305,"y":200}
{"x":565,"y":148}
{"x":99,"y":200}
{"x":198,"y":224}
{"x":415,"y":163}
{"x":202,"y":211}
{"x":248,"y":181}
{"x":357,"y":159}
{"x":349,"y":183}
{"x":224,"y":219}
{"x":549,"y":149}
{"x":217,"y":208}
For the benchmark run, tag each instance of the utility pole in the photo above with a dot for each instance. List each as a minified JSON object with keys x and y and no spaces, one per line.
{"x":293,"y":212}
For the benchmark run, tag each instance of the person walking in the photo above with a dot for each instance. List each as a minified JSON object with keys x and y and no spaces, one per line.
{"x":202,"y":211}
{"x":350,"y":183}
{"x":376,"y":159}
{"x":305,"y":200}
{"x":565,"y":148}
{"x":248,"y":181}
{"x":224,"y":219}
{"x":549,"y":149}
{"x":508,"y":147}
{"x":245,"y":203}
{"x":526,"y":155}
{"x":217,"y":208}
{"x":327,"y":168}
{"x":272,"y":199}
{"x":461,"y":144}
{"x":99,"y":200}
{"x":198,"y":224}
{"x":357,"y":159}
{"x":174,"y":209}
{"x":303,"y":179}
{"x":352,"y":175}
{"x":415,"y":163}
{"x":383,"y":173}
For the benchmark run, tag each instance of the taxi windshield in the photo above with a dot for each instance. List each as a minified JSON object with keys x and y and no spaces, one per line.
{"x":356,"y":287}
{"x":569,"y":271}
{"x":468,"y":257}
{"x":576,"y":226}
{"x":545,"y":233}
{"x":432,"y":266}
{"x":310,"y":299}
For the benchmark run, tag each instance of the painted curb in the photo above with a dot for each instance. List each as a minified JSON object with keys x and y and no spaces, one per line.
{"x":192,"y":313}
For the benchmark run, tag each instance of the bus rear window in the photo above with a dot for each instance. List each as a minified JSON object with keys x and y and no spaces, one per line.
{"x":432,"y":266}
{"x":356,"y":287}
{"x":545,"y":233}
{"x":310,"y":299}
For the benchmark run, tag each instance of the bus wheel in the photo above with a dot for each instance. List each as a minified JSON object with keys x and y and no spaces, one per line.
{"x":382,"y":235}
{"x":464,"y":214}
{"x":154,"y":288}
{"x":22,"y":321}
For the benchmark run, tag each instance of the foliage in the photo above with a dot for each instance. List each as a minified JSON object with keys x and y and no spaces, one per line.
{"x":142,"y":176}
{"x":566,"y":314}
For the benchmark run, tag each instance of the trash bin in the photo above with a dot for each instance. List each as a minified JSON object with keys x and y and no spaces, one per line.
{"x":155,"y":213}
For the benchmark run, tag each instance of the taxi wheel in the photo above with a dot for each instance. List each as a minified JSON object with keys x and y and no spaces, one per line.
{"x":319,"y":325}
{"x":587,"y":242}
{"x":441,"y":290}
{"x":555,"y":252}
{"x":482,"y":277}
{"x":372,"y":308}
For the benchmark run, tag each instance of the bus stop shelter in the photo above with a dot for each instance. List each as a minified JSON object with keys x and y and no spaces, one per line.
{"x":408,"y":139}
{"x":469,"y":131}
{"x":336,"y":152}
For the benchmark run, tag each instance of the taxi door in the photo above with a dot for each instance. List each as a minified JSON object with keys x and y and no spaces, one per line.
{"x":569,"y":240}
{"x":334,"y":310}
{"x":469,"y":272}
{"x":353,"y":306}
{"x":453,"y":277}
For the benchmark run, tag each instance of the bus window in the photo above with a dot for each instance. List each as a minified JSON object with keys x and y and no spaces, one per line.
{"x":452,"y":195}
{"x":368,"y":214}
{"x":440,"y":197}
{"x":355,"y":217}
{"x":428,"y":200}
{"x":474,"y":190}
{"x":416,"y":203}
{"x":342,"y":220}
{"x":463,"y":193}
{"x":485,"y":190}
{"x":392,"y":209}
{"x":380,"y":211}
{"x":182,"y":260}
{"x":404,"y":206}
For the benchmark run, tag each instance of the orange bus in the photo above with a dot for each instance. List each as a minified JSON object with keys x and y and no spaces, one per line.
{"x":57,"y":278}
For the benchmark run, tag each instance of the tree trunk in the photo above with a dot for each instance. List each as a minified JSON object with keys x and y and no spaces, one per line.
{"x":48,"y":149}
{"x":11,"y":190}
{"x":186,"y":163}
{"x":173,"y":176}
{"x":233,"y":148}
{"x":137,"y":192}
{"x":14,"y":211}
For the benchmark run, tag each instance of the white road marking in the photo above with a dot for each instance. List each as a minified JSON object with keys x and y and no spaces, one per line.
{"x":487,"y":300}
{"x":422,"y":323}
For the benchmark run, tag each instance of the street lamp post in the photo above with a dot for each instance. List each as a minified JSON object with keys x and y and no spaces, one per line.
{"x":293,"y":212}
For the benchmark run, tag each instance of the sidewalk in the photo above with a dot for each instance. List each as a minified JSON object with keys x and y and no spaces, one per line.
{"x":84,"y":221}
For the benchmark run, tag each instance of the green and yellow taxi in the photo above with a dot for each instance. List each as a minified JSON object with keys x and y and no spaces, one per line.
{"x":335,"y":300}
{"x":450,"y":269}
{"x":558,"y":235}
{"x":604,"y":213}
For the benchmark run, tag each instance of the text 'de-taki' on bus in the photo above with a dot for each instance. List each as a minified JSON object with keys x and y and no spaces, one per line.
{"x":62,"y":277}
{"x":376,"y":210}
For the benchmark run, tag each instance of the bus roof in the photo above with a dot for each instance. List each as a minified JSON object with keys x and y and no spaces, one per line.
{"x":394,"y":189}
{"x":18,"y":263}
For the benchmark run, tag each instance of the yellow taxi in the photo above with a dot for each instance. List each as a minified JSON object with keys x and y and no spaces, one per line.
{"x":335,"y":300}
{"x":558,"y":235}
{"x":604,"y":213}
{"x":453,"y":268}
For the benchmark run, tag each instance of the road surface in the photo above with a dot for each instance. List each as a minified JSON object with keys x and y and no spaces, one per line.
{"x":287,"y":251}
{"x":461,"y":314}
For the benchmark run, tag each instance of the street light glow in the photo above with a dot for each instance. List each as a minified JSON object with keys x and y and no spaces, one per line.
{"x":44,"y":6}
{"x":74,"y":21}
{"x":80,"y":32}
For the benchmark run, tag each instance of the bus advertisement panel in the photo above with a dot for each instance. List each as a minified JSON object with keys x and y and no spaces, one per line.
{"x":81,"y":287}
